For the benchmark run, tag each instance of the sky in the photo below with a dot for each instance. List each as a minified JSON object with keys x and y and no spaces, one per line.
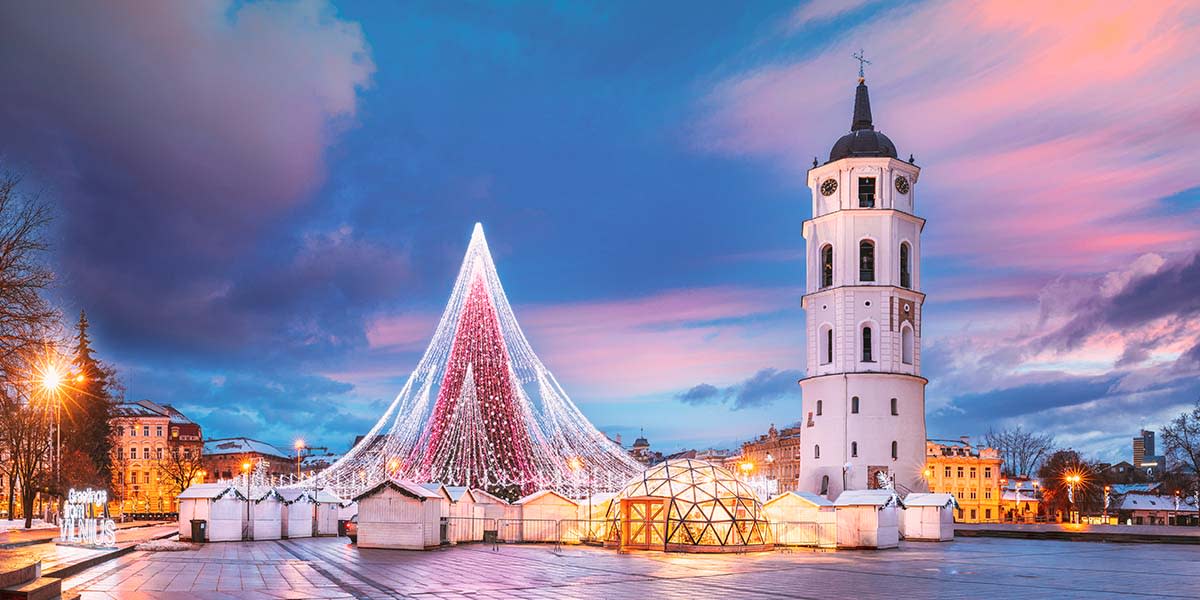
{"x":262,"y":205}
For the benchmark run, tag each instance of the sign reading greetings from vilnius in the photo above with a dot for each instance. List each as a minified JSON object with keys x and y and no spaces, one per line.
{"x":82,"y":521}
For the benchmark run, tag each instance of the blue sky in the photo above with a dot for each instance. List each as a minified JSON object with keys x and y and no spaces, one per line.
{"x":263,"y":205}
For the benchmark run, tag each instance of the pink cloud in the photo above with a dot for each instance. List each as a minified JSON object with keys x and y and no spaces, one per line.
{"x":1045,"y":129}
{"x":640,"y":346}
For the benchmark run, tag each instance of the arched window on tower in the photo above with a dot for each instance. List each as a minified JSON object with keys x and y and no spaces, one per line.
{"x":826,"y":265}
{"x":817,"y":451}
{"x":866,"y":260}
{"x":895,"y":407}
{"x":827,"y":345}
{"x":867,"y":355}
{"x":905,"y":268}
{"x":906,"y":345}
{"x":854,"y":449}
{"x":854,"y":405}
{"x":824,"y":485}
{"x":895,"y":450}
{"x":818,"y":408}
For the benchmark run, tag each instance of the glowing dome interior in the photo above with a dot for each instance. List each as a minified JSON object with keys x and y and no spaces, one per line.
{"x":688,"y":504}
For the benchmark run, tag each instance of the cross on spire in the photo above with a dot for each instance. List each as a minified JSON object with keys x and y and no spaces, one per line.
{"x":862,"y":62}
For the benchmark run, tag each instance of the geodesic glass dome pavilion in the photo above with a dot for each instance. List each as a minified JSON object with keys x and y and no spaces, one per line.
{"x":687,"y":505}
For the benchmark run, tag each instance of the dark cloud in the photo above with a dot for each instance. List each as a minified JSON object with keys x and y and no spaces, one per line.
{"x":701,"y":394}
{"x":175,"y":137}
{"x":761,"y":389}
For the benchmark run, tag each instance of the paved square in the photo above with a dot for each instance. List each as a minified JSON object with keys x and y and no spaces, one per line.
{"x":966,"y":568}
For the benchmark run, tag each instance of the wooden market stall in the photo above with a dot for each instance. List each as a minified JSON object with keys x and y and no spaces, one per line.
{"x":399,"y":514}
{"x":928,"y":517}
{"x":868,"y":519}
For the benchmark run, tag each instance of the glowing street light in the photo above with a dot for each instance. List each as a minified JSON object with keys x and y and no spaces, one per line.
{"x":1073,"y":479}
{"x":299,"y":448}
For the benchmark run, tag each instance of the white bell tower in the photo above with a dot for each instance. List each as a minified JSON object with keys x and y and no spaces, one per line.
{"x":863,"y":396}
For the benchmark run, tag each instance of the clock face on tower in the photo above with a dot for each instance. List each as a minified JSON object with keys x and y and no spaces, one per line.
{"x":902,"y":184}
{"x":828,"y":187}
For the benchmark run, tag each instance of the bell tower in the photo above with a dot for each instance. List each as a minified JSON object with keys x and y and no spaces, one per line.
{"x":863,"y":396}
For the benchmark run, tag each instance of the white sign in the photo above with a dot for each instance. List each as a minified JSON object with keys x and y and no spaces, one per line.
{"x":83,"y":523}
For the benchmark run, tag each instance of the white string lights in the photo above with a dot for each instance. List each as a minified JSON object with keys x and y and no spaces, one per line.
{"x":480,"y":409}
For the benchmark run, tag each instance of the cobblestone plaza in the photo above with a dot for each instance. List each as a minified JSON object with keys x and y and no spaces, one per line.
{"x":332,"y":568}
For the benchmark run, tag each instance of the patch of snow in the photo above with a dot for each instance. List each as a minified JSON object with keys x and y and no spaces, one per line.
{"x":164,"y":546}
{"x":12,"y":525}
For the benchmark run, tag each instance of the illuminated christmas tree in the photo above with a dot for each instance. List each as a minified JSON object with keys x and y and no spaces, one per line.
{"x":480,"y":409}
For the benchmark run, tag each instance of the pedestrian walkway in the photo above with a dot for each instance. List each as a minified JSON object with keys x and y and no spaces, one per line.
{"x":333,"y":568}
{"x":20,"y":537}
{"x":1153,"y":534}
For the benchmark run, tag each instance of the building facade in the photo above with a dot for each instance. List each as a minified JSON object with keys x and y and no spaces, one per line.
{"x":971,"y":474}
{"x":1145,"y":457}
{"x":223,"y":458}
{"x":863,"y":401}
{"x":146,"y":434}
{"x":775,"y":458}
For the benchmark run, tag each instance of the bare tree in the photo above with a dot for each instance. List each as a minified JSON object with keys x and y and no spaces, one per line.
{"x":1022,"y":451}
{"x":28,"y":430}
{"x":179,"y":467}
{"x":1181,"y":437}
{"x":25,"y":316}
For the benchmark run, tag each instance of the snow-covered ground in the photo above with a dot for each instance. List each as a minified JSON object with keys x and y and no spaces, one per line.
{"x":20,"y":524}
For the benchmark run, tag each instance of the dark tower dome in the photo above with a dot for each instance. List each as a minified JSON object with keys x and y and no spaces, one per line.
{"x":862,"y":140}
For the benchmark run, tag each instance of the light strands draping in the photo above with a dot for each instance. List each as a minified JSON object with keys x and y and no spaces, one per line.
{"x":481,"y":410}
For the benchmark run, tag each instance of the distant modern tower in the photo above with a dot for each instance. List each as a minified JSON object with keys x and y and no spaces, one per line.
{"x":863,"y":397}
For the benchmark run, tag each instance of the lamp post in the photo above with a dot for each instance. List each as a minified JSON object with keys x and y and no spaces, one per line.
{"x":299,"y":449}
{"x":246,"y":476}
{"x":1106,"y":489}
{"x":1072,"y":480}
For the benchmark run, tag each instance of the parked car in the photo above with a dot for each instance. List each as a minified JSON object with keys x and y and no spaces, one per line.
{"x":352,"y":529}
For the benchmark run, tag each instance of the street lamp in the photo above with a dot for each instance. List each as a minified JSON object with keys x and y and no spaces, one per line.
{"x":746,"y":467}
{"x":1072,"y":479}
{"x":246,"y":476}
{"x":299,"y":449}
{"x":1106,"y":489}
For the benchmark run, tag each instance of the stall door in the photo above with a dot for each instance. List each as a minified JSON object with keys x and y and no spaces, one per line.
{"x":642,"y":523}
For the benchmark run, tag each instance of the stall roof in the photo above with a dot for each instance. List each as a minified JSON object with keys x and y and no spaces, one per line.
{"x":487,"y":498}
{"x":931,"y":499}
{"x":406,"y":487}
{"x":324,"y":496}
{"x":880,"y":498}
{"x":292,"y":494}
{"x":1154,"y":502}
{"x":809,"y":497}
{"x":536,"y":495}
{"x":457,"y":492}
{"x":209,"y":491}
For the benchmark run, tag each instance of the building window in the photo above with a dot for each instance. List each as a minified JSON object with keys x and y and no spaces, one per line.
{"x":854,"y":405}
{"x":866,"y":192}
{"x":132,"y":452}
{"x":987,"y":513}
{"x":826,"y":265}
{"x":987,"y":472}
{"x":145,"y":431}
{"x":133,"y":477}
{"x":158,"y":453}
{"x":158,"y":431}
{"x":906,"y":345}
{"x":817,"y":451}
{"x":973,"y":472}
{"x":905,"y":273}
{"x":867,"y":356}
{"x":147,"y":480}
{"x":827,"y":345}
{"x":146,"y":452}
{"x":819,"y":403}
{"x":947,"y":474}
{"x":120,"y":430}
{"x":824,"y":485}
{"x":972,"y":514}
{"x":895,"y":450}
{"x":854,"y":449}
{"x":187,"y":452}
{"x":866,"y":260}
{"x":133,"y":431}
{"x":960,"y":472}
{"x":987,"y":494}
{"x":895,"y":409}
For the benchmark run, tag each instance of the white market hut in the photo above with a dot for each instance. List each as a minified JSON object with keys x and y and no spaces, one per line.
{"x":868,"y":519}
{"x":928,"y":517}
{"x":328,"y":508}
{"x":399,"y":514}
{"x":802,"y":519}
{"x":494,"y":508}
{"x":440,"y":489}
{"x":220,"y":504}
{"x":298,"y":517}
{"x":465,"y":524}
{"x":541,"y":513}
{"x":267,"y":515}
